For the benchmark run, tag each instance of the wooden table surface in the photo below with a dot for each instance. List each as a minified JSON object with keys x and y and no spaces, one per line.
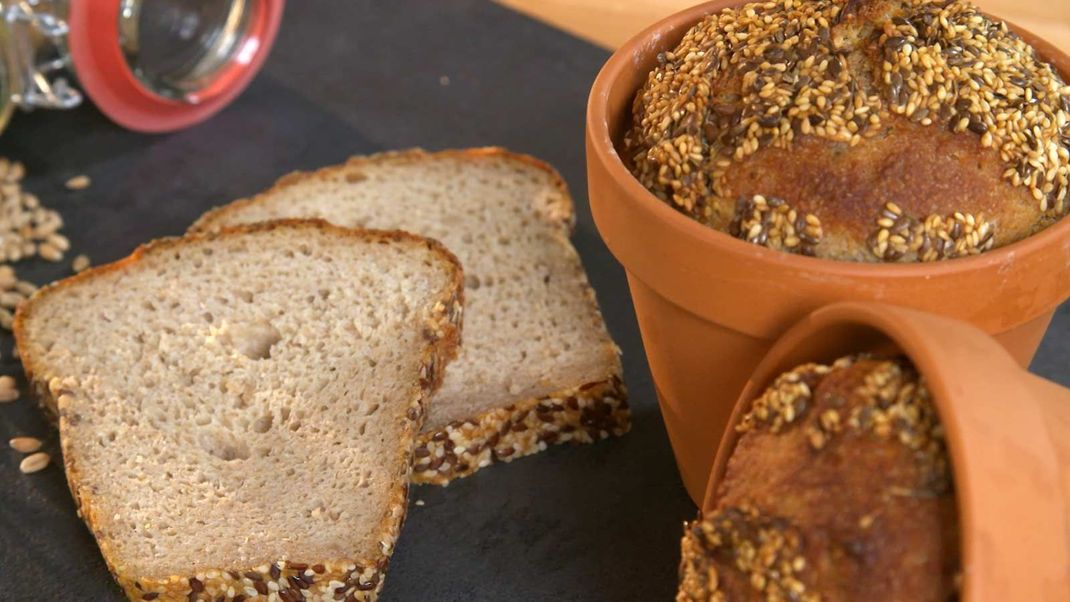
{"x":611,"y":22}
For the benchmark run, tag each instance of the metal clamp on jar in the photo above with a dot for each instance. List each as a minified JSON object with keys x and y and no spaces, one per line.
{"x":149,"y":65}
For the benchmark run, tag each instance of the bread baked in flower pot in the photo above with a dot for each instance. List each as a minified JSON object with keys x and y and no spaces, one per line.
{"x":780,"y":176}
{"x":885,"y":453}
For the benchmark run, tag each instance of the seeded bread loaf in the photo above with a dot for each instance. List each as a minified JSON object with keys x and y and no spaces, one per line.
{"x":838,"y":490}
{"x":537,"y":366}
{"x":862,"y":130}
{"x":237,"y":411}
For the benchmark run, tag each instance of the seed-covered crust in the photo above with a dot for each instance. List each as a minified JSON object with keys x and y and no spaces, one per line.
{"x":839,"y":488}
{"x":287,"y":579}
{"x":841,"y":108}
{"x":583,"y":414}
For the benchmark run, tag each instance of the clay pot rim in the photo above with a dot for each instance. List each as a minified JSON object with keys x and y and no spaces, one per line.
{"x":923,"y":338}
{"x":625,"y":59}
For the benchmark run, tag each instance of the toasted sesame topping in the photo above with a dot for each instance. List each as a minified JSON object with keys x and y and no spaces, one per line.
{"x":585,"y":414}
{"x":768,"y":542}
{"x":767,"y":550}
{"x":898,"y":405}
{"x":787,"y":399}
{"x":772,"y":222}
{"x":979,"y":76}
{"x":762,"y":75}
{"x":933,"y":238}
{"x":894,"y":402}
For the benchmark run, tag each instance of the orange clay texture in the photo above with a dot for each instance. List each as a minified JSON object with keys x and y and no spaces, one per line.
{"x":860,"y":130}
{"x":839,"y":489}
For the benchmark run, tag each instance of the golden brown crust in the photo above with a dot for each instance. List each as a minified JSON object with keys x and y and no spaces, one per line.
{"x":290,"y":579}
{"x":924,"y":170}
{"x":559,"y":210}
{"x":839,"y":487}
{"x":837,"y":108}
{"x":583,"y":414}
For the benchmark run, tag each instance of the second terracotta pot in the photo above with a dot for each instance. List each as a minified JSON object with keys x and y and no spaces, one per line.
{"x":1008,"y":436}
{"x":709,"y":306}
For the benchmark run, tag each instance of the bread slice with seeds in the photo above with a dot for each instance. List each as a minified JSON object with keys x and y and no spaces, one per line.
{"x":537,"y":366}
{"x":237,"y":411}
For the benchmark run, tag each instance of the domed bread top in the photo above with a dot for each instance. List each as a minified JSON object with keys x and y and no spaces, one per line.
{"x":839,"y":488}
{"x":864,"y":130}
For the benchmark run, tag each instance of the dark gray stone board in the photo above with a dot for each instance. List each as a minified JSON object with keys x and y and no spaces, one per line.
{"x":347,"y":77}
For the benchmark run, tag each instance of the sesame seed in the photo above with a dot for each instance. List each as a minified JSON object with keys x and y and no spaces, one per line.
{"x":766,"y":550}
{"x":585,"y":414}
{"x":773,"y":223}
{"x":898,"y":236}
{"x":941,"y":64}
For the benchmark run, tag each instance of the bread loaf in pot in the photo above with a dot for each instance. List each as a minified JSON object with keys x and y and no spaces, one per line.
{"x":840,"y":488}
{"x":861,"y":130}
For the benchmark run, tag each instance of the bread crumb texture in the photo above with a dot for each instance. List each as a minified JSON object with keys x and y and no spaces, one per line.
{"x":537,"y":366}
{"x":238,"y":410}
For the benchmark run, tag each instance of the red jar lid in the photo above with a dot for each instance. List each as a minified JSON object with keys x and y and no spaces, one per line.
{"x":108,"y":80}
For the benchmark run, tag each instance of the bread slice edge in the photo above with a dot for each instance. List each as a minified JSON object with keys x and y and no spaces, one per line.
{"x":354,"y":578}
{"x":562,"y":212}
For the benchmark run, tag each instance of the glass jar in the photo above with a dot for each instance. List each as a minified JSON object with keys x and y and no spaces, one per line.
{"x":149,"y":65}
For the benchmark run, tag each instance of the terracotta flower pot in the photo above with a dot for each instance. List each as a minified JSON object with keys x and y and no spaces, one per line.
{"x":709,"y":305}
{"x":1008,"y":435}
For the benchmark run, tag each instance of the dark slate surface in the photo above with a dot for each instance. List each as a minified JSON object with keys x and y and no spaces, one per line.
{"x":588,"y":523}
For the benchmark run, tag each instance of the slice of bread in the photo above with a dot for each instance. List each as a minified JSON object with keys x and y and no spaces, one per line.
{"x":537,"y":366}
{"x":238,"y":410}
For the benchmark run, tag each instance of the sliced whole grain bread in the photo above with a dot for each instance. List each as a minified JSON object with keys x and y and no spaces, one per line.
{"x":537,"y":366}
{"x":238,"y":410}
